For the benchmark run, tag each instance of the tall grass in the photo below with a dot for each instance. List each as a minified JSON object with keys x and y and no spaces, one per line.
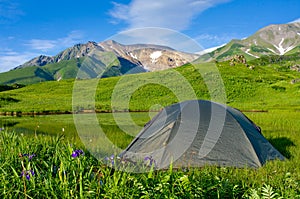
{"x":59,"y":175}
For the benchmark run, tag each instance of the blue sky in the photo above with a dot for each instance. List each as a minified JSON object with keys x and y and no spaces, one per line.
{"x":29,"y":28}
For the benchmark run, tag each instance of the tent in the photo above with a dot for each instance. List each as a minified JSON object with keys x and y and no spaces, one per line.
{"x":195,"y":133}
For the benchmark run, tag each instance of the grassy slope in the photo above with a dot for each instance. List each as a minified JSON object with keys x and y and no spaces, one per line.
{"x":65,"y":69}
{"x":265,"y":87}
{"x":31,"y":75}
{"x":27,"y":75}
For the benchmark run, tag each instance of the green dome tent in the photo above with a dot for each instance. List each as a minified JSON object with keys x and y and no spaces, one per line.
{"x":196,"y":133}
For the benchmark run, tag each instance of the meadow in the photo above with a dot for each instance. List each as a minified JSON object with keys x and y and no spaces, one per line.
{"x":43,"y":157}
{"x":265,"y":87}
{"x":50,"y":170}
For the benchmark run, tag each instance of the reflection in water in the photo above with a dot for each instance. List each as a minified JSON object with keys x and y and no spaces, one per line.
{"x":53,"y":125}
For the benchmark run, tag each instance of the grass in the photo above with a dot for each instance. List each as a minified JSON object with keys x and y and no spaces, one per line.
{"x":58,"y":175}
{"x":266,"y":87}
{"x":25,"y":76}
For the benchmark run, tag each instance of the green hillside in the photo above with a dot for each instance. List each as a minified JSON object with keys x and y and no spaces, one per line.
{"x":27,"y":75}
{"x":105,"y":64}
{"x":35,"y":74}
{"x":267,"y":86}
{"x":232,"y":48}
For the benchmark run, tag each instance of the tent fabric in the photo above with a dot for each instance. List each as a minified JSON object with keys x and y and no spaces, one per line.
{"x":196,"y":133}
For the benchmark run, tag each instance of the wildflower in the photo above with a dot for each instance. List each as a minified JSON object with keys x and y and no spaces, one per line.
{"x":149,"y":161}
{"x":1,"y":129}
{"x":30,"y":156}
{"x":27,"y":174}
{"x":77,"y":153}
{"x":111,"y":159}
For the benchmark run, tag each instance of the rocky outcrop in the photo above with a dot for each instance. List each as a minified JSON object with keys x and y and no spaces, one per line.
{"x":294,"y":81}
{"x":238,"y":59}
{"x":154,"y":59}
{"x":295,"y":67}
{"x":78,"y":50}
{"x":38,"y":61}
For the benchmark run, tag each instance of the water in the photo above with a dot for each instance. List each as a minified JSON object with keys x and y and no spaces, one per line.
{"x":53,"y":125}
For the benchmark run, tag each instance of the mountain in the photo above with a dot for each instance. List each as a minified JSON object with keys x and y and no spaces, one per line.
{"x":103,"y":64}
{"x":279,"y":39}
{"x":110,"y":58}
{"x":105,"y":59}
{"x":150,"y":57}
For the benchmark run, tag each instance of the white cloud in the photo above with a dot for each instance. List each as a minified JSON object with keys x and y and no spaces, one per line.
{"x":156,"y":22}
{"x":40,"y":44}
{"x":10,"y":59}
{"x":46,"y":45}
{"x":119,"y":12}
{"x":173,"y":14}
{"x":159,"y":36}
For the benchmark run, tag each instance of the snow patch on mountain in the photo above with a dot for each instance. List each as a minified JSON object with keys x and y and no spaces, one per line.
{"x":133,"y":56}
{"x":146,"y":68}
{"x":281,"y":49}
{"x":155,"y":55}
{"x":272,"y":50}
{"x":247,"y":51}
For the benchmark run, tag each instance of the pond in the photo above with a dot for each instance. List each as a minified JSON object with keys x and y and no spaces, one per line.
{"x":119,"y":128}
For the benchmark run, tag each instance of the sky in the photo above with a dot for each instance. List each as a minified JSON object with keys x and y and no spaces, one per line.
{"x":29,"y":28}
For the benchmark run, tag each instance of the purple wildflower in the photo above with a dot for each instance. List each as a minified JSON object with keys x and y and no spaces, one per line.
{"x":30,"y":156}
{"x":149,"y":160}
{"x":1,"y":129}
{"x":27,"y":174}
{"x":77,"y":153}
{"x":111,"y":159}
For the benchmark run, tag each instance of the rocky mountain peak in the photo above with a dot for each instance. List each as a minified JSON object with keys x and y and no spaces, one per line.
{"x":149,"y":56}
